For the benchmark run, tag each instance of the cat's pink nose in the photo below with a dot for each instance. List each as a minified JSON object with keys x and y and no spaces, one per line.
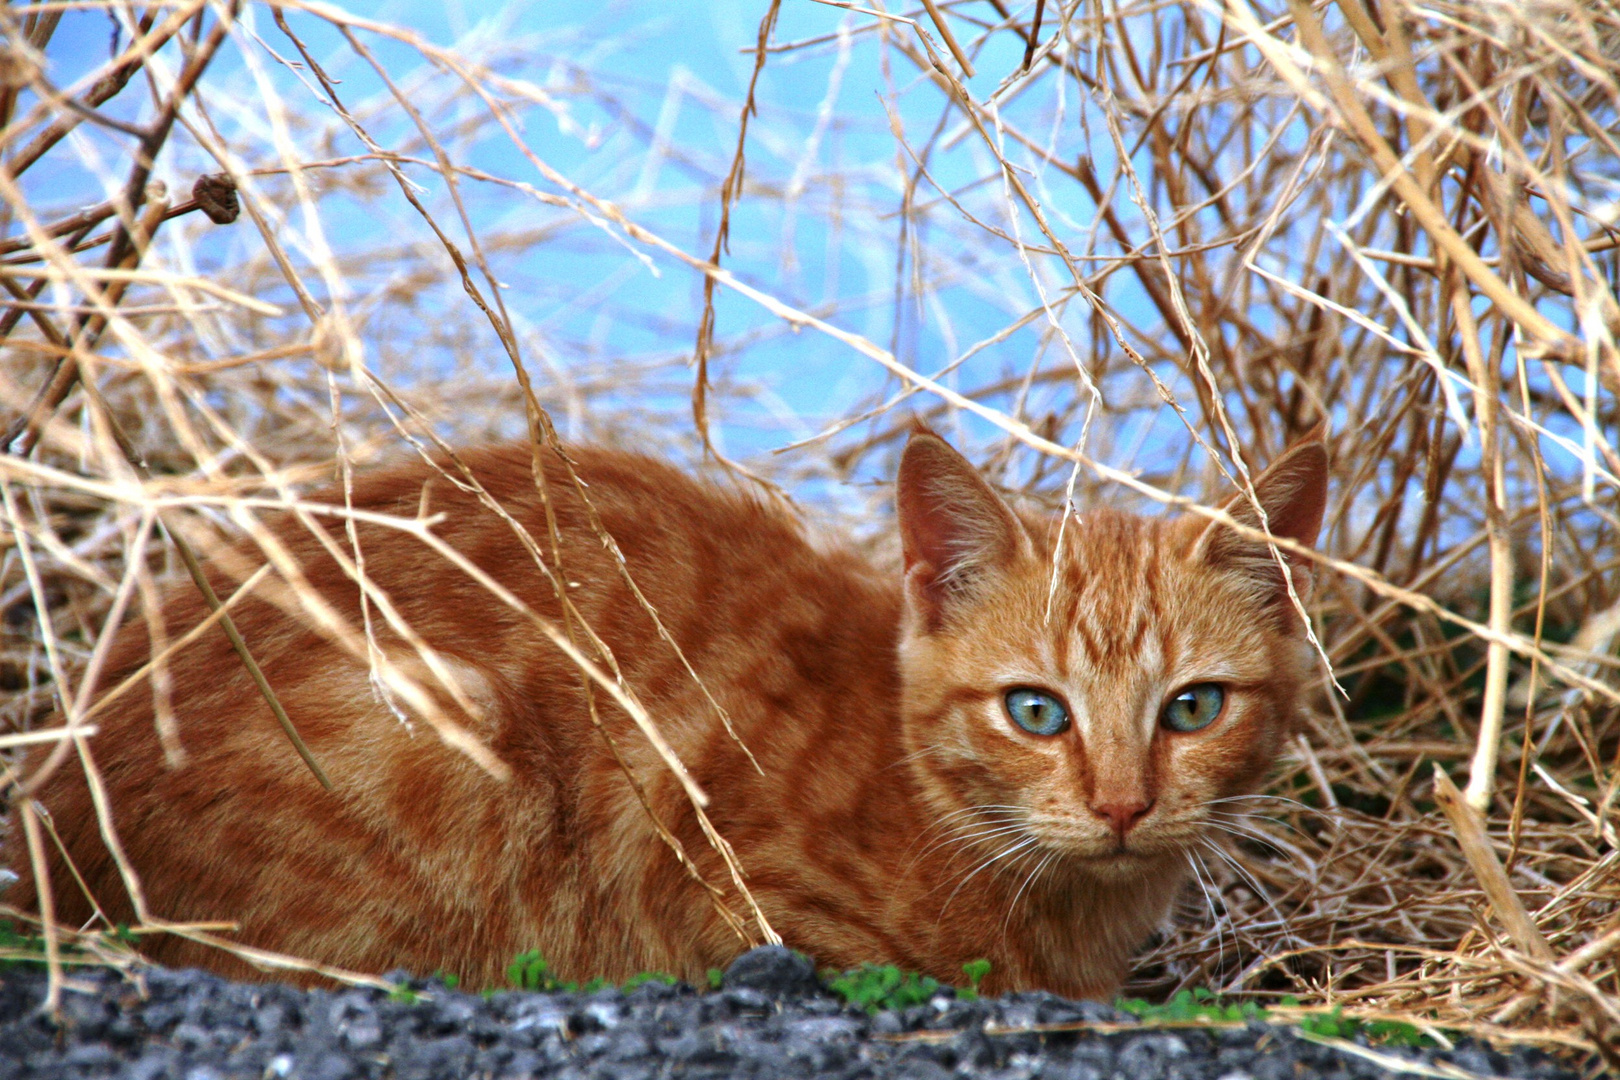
{"x":1122,"y":816}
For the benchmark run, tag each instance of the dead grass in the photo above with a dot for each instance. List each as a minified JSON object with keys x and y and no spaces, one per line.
{"x":1129,"y":259}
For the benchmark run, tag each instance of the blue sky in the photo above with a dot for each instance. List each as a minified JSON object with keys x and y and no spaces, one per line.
{"x":646,"y":100}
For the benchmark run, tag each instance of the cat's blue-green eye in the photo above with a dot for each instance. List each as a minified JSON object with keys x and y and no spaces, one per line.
{"x":1037,"y":712}
{"x":1194,"y":707}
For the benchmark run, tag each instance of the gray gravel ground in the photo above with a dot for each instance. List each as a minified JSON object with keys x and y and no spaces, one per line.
{"x":771,"y":1019}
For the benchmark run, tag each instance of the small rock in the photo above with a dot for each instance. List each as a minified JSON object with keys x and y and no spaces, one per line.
{"x":627,"y":1046}
{"x":524,"y":1065}
{"x":602,"y":1015}
{"x":1147,"y":1057}
{"x":745,"y":998}
{"x":158,"y":1062}
{"x":362,"y":1034}
{"x":773,"y":970}
{"x":1074,"y":1070}
{"x":538,"y":1015}
{"x":1056,"y":1010}
{"x":86,"y":1015}
{"x":270,"y":1018}
{"x":1476,"y":1060}
{"x":434,"y":1058}
{"x":327,"y":1066}
{"x":695,"y":1048}
{"x":90,"y":1056}
{"x":1018,"y":1014}
{"x":824,"y":1029}
{"x":453,"y":1014}
{"x":918,"y":1068}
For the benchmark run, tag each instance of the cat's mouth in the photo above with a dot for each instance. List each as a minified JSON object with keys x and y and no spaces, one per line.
{"x":1093,"y":847}
{"x":1120,"y":853}
{"x":1092,"y":851}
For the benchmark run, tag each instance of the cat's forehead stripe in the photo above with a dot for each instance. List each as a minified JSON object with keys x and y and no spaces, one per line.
{"x":1111,"y":571}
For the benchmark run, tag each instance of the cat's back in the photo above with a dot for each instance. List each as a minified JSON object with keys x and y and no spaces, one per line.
{"x":646,"y":552}
{"x":471,"y":556}
{"x":493,"y":506}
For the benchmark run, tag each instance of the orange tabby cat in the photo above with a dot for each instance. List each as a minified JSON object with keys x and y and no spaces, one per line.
{"x":1005,"y":753}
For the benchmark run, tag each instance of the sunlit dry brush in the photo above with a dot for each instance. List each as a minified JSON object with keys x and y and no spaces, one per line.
{"x":1132,"y":247}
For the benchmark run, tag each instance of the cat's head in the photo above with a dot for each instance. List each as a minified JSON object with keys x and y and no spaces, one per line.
{"x":1096,"y":695}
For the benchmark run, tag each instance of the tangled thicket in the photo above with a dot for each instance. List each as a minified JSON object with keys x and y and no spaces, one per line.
{"x":1126,"y":251}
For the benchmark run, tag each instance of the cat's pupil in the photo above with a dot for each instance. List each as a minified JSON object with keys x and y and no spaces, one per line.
{"x":1036,"y":711}
{"x":1195,"y":707}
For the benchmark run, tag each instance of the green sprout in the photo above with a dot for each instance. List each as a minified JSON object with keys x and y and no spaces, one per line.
{"x":975,"y":970}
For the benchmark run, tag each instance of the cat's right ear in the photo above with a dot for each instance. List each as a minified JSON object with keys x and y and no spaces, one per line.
{"x":1293,"y":493}
{"x":955,"y":531}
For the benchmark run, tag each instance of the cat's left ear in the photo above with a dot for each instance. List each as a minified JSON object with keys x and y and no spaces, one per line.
{"x":1293,"y":492}
{"x":955,"y":531}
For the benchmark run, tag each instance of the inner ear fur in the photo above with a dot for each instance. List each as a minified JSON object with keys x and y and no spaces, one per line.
{"x":1293,"y":493}
{"x":955,"y":531}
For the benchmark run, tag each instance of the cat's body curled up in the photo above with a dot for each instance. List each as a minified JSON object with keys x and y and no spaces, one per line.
{"x":1005,"y":751}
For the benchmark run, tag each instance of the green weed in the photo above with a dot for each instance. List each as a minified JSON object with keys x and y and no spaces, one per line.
{"x":23,"y":946}
{"x":975,"y":970}
{"x":647,"y":977}
{"x":529,"y":971}
{"x":1192,"y":1006}
{"x":1203,"y":1006}
{"x":875,"y":987}
{"x":1335,"y":1025}
{"x":19,"y":946}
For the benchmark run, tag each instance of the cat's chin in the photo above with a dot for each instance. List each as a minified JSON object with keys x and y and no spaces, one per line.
{"x":1127,"y":864}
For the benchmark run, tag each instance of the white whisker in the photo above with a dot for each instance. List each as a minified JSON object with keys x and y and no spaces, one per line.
{"x":966,"y":827}
{"x":1015,"y":849}
{"x":1028,"y":881}
{"x":970,"y":839}
{"x":1259,"y":890}
{"x":1196,"y":861}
